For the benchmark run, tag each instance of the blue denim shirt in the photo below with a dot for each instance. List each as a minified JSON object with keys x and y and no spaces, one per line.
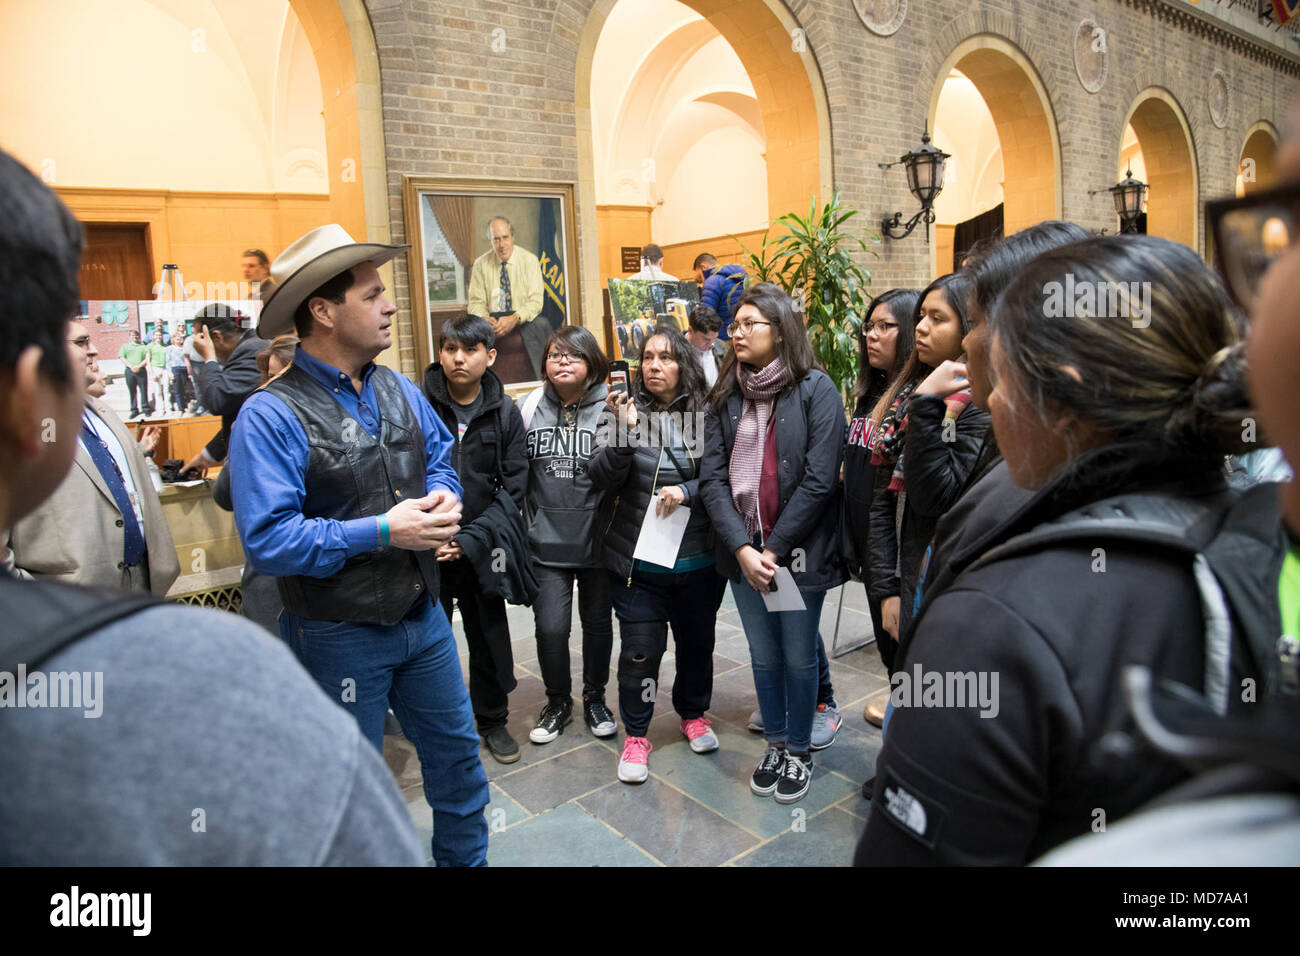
{"x":268,"y":461}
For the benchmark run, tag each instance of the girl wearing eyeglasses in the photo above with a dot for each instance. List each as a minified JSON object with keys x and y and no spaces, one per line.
{"x":774,"y":440}
{"x":926,"y":437}
{"x":885,"y":345}
{"x":566,"y":514}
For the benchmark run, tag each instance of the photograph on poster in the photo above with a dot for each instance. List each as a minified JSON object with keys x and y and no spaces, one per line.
{"x":502,"y":250}
{"x":638,"y":305}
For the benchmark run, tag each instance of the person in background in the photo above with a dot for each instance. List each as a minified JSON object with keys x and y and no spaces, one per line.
{"x":648,"y":450}
{"x":256,"y":269}
{"x":953,"y":787}
{"x":885,"y":345}
{"x":227,"y":375}
{"x":277,"y":356}
{"x":260,"y":594}
{"x":720,"y":287}
{"x":652,"y":260}
{"x":158,"y":377}
{"x":488,"y":454}
{"x":178,"y":373}
{"x":103,"y":526}
{"x":774,"y":441}
{"x":135,"y":362}
{"x":702,"y":333}
{"x":927,"y":435}
{"x":566,"y":513}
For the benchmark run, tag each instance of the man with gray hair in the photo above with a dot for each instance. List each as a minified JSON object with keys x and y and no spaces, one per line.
{"x":505,"y":287}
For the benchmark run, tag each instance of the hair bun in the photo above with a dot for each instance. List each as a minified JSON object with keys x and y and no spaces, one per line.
{"x":1218,"y":404}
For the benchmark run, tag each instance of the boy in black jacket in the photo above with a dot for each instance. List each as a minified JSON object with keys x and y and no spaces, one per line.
{"x":489,"y":453}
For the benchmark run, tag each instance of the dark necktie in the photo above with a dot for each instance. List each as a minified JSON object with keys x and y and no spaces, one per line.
{"x":505,"y":290}
{"x":133,"y":549}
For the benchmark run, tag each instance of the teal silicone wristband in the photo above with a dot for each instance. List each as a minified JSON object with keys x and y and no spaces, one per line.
{"x":383,"y":531}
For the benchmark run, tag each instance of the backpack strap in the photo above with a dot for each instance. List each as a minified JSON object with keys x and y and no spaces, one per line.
{"x":530,"y":405}
{"x":42,"y":618}
{"x":1162,"y":521}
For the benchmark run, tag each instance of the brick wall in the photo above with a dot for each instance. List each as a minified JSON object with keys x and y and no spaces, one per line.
{"x":453,"y":107}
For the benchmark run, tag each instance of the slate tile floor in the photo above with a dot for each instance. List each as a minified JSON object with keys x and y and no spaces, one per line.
{"x":562,"y":805}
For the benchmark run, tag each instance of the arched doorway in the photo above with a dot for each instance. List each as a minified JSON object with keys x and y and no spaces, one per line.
{"x":993,"y":73}
{"x":772,"y":108}
{"x":347,"y":59}
{"x":1257,"y":166}
{"x":1156,"y":144}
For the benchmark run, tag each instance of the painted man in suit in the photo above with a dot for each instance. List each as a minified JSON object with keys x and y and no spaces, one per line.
{"x":103,"y":526}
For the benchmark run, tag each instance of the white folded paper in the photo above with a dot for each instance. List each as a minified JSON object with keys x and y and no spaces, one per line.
{"x":786,"y":597}
{"x":661,"y":538}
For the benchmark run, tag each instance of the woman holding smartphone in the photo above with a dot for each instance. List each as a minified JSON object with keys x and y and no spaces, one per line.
{"x":774,"y":439}
{"x":648,"y":452}
{"x":566,"y":513}
{"x":926,"y":439}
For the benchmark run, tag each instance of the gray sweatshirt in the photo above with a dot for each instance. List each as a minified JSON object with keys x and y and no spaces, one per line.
{"x":212,"y":747}
{"x":566,"y":513}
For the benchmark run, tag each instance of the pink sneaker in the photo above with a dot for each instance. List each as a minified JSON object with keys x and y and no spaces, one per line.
{"x":634,"y":765}
{"x":699,"y":732}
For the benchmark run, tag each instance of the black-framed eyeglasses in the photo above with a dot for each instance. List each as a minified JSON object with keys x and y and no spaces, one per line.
{"x":564,"y":358}
{"x":1251,"y":233}
{"x":882,"y":327}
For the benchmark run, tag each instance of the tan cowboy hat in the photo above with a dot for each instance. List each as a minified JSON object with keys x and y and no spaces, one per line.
{"x":309,"y":263}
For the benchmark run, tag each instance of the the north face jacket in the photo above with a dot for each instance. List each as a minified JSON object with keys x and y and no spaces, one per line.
{"x":1046,"y":636}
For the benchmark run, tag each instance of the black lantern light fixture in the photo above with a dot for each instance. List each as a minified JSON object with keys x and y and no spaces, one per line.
{"x":925,"y":167}
{"x":1129,"y":195}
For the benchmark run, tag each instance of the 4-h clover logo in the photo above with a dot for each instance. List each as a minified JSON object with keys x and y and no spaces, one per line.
{"x":115,"y":313}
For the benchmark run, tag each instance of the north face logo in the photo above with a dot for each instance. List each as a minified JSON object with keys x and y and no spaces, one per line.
{"x":906,"y":809}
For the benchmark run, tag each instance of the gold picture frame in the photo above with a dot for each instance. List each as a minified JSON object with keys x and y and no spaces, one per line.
{"x":447,"y":223}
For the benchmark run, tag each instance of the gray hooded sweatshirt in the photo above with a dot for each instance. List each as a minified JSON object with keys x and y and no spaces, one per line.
{"x":566,"y":513}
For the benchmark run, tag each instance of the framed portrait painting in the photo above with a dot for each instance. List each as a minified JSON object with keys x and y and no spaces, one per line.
{"x":502,"y":249}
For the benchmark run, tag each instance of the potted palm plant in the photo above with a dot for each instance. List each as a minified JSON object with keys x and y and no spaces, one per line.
{"x":811,"y":259}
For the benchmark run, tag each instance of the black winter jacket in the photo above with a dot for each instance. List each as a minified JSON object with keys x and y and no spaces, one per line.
{"x":496,"y":429}
{"x":626,"y":462}
{"x":953,"y":787}
{"x":934,"y":473}
{"x":809,"y":419}
{"x":859,"y":487}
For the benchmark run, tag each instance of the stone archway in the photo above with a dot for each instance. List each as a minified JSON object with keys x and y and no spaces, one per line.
{"x":1169,"y":152}
{"x":1026,"y":126}
{"x":348,"y":62}
{"x":1257,"y":166}
{"x":791,"y":99}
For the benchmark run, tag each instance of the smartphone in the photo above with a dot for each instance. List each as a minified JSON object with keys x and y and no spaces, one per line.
{"x":618,"y":376}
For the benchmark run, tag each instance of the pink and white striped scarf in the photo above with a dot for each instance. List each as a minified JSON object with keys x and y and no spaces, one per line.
{"x":760,"y":390}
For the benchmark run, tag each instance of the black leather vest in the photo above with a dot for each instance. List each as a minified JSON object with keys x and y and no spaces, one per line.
{"x":350,"y":475}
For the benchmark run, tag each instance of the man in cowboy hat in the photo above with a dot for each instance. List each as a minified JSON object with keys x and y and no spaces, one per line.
{"x":343,"y":489}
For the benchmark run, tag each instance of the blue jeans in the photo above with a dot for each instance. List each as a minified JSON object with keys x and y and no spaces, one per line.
{"x":414,"y":668}
{"x":783,"y":651}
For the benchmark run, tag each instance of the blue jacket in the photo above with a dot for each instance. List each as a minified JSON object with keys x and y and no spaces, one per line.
{"x":717,"y":293}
